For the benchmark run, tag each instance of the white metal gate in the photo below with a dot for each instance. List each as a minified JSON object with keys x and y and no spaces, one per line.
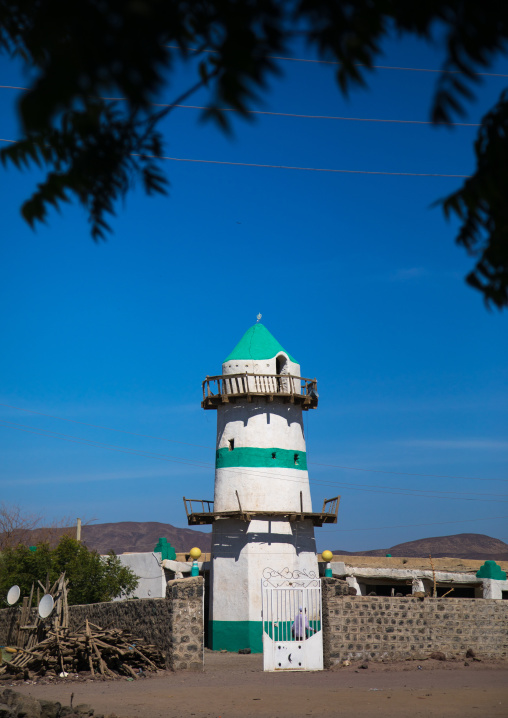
{"x":292,"y":628}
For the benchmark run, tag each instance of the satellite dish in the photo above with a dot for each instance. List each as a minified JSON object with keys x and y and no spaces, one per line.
{"x":46,"y":605}
{"x":13,"y":595}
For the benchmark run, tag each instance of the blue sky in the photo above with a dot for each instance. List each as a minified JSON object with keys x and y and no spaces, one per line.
{"x":356,"y":275}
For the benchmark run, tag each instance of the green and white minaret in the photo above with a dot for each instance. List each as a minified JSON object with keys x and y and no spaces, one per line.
{"x":263,"y":523}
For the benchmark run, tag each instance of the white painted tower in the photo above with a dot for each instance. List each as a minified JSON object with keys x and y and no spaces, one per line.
{"x":263,"y":523}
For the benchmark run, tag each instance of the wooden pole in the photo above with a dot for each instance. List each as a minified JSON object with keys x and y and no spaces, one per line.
{"x":78,"y":530}
{"x":434,"y":592}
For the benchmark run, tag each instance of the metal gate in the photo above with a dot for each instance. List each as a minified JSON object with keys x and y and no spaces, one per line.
{"x":292,"y":628}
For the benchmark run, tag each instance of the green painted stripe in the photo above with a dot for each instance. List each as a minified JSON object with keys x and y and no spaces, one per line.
{"x":233,"y":635}
{"x":282,"y":630}
{"x":249,"y":456}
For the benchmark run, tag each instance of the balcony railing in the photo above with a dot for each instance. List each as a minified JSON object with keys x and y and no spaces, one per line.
{"x":229,"y":387}
{"x":201,"y":511}
{"x":198,"y":506}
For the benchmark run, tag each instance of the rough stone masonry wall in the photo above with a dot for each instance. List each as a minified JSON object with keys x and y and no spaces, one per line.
{"x":145,"y":618}
{"x":149,"y":619}
{"x":174,"y":624}
{"x":186,"y":598}
{"x":377,"y":628}
{"x":8,"y":625}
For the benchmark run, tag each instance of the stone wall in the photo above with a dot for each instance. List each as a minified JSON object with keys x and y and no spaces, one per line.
{"x":8,"y":625}
{"x":186,"y":599}
{"x":148,"y":619}
{"x":173,"y":624}
{"x":377,"y":628}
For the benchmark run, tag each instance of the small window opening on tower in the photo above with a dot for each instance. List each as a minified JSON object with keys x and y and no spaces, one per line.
{"x":297,"y":456}
{"x":274,"y":454}
{"x":231,"y":444}
{"x":281,"y":367}
{"x":281,"y":364}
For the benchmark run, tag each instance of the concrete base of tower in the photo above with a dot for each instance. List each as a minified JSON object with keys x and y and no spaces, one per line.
{"x":246,"y":556}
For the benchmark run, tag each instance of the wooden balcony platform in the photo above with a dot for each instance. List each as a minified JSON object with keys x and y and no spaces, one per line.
{"x":228,"y":388}
{"x":199,"y":518}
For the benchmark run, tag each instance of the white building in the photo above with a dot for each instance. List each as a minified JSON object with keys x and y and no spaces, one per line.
{"x":263,"y":522}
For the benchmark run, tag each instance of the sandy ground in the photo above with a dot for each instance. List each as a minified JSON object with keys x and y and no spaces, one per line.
{"x":234,"y":685}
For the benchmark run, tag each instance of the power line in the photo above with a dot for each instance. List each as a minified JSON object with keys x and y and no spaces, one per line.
{"x":289,"y":167}
{"x":101,"y":445}
{"x":105,"y":428}
{"x":400,"y":488}
{"x":369,"y":488}
{"x":356,"y":64}
{"x":400,"y":491}
{"x":203,"y":446}
{"x":409,"y":526}
{"x":405,"y":473}
{"x":310,"y":117}
{"x":288,"y":114}
{"x":303,"y":169}
{"x":390,"y":489}
{"x":237,"y":470}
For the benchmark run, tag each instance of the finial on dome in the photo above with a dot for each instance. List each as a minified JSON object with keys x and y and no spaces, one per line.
{"x":259,"y":317}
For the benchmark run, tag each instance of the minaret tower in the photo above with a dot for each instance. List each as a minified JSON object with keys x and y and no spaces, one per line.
{"x":263,"y":523}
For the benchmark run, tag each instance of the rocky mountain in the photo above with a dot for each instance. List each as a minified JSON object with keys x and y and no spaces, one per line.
{"x":469,"y":546}
{"x":140,"y":536}
{"x":126,"y":536}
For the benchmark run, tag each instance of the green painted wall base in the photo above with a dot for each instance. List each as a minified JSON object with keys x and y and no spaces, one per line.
{"x":233,"y":635}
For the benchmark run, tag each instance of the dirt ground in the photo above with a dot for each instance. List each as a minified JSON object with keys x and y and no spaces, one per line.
{"x":233,"y":685}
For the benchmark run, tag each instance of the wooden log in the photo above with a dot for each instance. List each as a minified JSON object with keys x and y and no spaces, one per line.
{"x":10,"y":668}
{"x":150,"y":663}
{"x":59,"y":650}
{"x":130,"y":670}
{"x":90,"y":661}
{"x":114,"y":649}
{"x":66,"y":605}
{"x":99,"y":657}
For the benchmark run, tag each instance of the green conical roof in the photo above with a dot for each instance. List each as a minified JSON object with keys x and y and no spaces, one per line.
{"x":257,"y":343}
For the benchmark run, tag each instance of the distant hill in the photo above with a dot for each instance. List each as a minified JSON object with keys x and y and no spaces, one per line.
{"x":470,"y":546}
{"x":141,"y":536}
{"x":122,"y":536}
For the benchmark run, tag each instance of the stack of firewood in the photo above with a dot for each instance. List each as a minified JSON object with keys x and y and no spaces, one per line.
{"x":107,"y":652}
{"x":48,"y":646}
